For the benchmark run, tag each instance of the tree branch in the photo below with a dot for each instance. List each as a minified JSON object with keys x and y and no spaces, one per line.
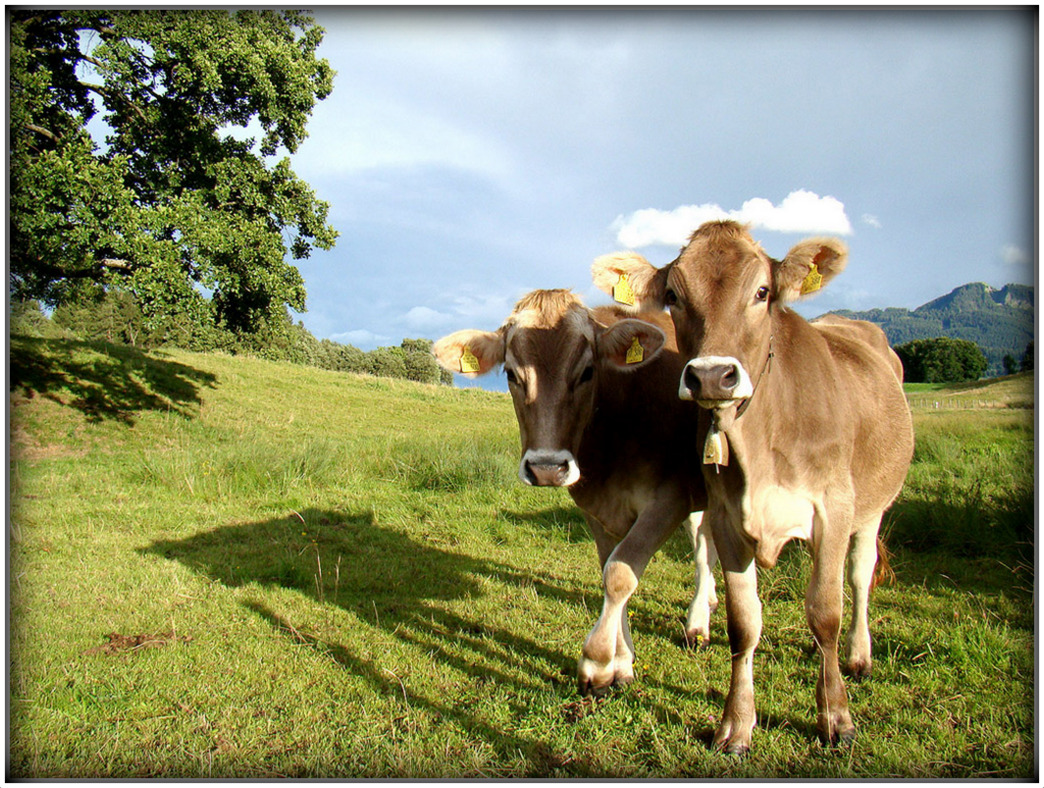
{"x":105,"y":92}
{"x":56,"y":272}
{"x":42,"y":132}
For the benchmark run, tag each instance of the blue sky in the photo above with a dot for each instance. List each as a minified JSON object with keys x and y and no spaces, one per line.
{"x":472,"y":155}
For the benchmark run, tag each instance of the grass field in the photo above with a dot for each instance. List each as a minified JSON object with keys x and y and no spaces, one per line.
{"x":223,"y":567}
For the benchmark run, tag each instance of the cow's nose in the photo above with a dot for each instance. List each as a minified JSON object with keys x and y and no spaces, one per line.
{"x":716,"y":382}
{"x":547,"y":468}
{"x":547,"y":474}
{"x":714,"y":379}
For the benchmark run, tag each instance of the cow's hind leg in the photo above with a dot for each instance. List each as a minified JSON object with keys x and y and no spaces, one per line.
{"x":705,"y":598}
{"x":823,"y":602}
{"x":862,"y":558}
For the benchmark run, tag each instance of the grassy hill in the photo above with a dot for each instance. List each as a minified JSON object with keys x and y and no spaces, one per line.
{"x":227,"y":567}
{"x":1007,"y":391}
{"x":999,"y":321}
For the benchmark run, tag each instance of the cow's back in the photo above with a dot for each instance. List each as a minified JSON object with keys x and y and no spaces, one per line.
{"x":861,"y":333}
{"x":868,"y":375}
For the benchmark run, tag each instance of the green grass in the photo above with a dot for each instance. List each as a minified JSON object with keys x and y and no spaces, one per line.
{"x":1009,"y":391}
{"x":347,"y":580}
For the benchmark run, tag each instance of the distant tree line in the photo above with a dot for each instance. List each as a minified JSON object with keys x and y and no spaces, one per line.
{"x":1000,"y":322}
{"x":941,"y":360}
{"x":115,"y":317}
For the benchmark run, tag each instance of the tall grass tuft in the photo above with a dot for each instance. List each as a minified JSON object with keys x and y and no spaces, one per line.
{"x":970,"y":488}
{"x":246,"y":468}
{"x":451,"y":466}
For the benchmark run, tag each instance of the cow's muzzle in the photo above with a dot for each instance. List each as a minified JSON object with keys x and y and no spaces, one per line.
{"x":541,"y":468}
{"x":715,"y":381}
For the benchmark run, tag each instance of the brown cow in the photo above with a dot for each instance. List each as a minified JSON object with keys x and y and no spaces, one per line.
{"x":617,"y":439}
{"x":808,"y":435}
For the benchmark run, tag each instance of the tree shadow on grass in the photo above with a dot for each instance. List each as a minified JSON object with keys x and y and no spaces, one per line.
{"x":985,"y":546}
{"x":404,"y":588}
{"x":104,"y":381}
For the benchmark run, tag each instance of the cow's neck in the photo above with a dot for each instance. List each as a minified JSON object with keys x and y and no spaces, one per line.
{"x":745,"y":427}
{"x":765,"y":369}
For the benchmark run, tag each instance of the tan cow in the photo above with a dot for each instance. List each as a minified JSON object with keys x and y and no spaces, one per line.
{"x":807,"y":435}
{"x":617,"y":439}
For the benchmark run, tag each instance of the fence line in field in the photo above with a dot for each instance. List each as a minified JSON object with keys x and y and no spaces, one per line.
{"x":960,"y":403}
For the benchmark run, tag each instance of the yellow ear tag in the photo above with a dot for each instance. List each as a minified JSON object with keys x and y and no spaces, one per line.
{"x":622,"y":291}
{"x":812,"y":282}
{"x":715,"y":448}
{"x":635,"y":353}
{"x":468,"y":362}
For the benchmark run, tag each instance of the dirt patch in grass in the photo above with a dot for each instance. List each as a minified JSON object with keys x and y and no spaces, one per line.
{"x":26,"y":447}
{"x":119,"y":644}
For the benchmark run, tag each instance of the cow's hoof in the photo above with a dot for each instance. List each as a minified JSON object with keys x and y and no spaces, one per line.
{"x":587,"y":687}
{"x":734,"y":747}
{"x":732,"y":739}
{"x":696,"y":639}
{"x":595,"y":678}
{"x":858,"y":668}
{"x":839,"y":732}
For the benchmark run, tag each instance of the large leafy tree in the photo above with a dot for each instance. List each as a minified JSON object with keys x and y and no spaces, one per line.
{"x":177,"y":205}
{"x":941,"y":360}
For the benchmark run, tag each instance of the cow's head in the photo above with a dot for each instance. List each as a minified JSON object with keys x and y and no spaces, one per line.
{"x":722,"y":292}
{"x":554,"y":352}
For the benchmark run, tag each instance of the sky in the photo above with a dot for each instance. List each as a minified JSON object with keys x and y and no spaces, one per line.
{"x":472,"y":155}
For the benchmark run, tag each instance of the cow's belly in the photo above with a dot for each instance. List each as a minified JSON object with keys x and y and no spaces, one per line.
{"x":775,"y":516}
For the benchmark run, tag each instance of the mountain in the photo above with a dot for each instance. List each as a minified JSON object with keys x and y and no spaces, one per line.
{"x":999,"y":321}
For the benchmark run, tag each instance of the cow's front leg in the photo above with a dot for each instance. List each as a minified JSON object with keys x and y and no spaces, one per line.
{"x":607,"y":657}
{"x":823,"y":602}
{"x":705,"y":598}
{"x":743,"y":613}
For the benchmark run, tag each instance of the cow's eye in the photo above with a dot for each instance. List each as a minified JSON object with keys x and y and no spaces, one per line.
{"x":762,"y":294}
{"x":587,"y":374}
{"x":670,"y":298}
{"x":511,"y":377}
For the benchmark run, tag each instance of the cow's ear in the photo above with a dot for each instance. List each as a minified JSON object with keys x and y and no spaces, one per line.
{"x":629,"y":344}
{"x":470,"y":352}
{"x":808,"y":267}
{"x":630,"y":279}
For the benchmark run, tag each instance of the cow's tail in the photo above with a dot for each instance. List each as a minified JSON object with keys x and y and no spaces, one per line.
{"x":883,"y":572}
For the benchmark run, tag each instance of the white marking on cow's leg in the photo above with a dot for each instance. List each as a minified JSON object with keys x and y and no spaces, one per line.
{"x":743,"y":609}
{"x":607,"y":655}
{"x":705,"y":599}
{"x":623,"y":662}
{"x":862,"y":558}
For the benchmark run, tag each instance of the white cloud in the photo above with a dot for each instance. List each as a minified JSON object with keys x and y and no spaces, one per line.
{"x":361,"y":338}
{"x":1013,"y":255}
{"x":423,"y":318}
{"x":872,"y":221}
{"x":488,"y":308}
{"x":800,"y":212}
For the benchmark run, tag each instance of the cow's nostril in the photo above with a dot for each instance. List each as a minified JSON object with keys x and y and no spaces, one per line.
{"x":691,"y":380}
{"x":530,"y":476}
{"x":730,"y":379}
